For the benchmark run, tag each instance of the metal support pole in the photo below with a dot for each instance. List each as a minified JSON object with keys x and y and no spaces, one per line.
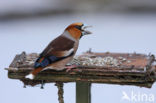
{"x":83,"y":92}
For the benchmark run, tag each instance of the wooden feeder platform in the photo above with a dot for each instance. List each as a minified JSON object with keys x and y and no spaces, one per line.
{"x":110,"y":68}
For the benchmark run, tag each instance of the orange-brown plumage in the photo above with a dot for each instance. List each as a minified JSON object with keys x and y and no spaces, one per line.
{"x":60,"y":51}
{"x":37,"y":70}
{"x":76,"y":33}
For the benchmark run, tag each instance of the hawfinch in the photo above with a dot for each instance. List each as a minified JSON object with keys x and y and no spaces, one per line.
{"x":61,"y":50}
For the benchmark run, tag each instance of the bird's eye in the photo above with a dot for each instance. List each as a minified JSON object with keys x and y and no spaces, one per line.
{"x":78,"y":27}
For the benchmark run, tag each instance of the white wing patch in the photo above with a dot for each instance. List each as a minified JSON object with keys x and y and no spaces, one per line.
{"x":30,"y":76}
{"x":67,"y":53}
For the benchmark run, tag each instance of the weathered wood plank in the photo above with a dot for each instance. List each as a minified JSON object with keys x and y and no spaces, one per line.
{"x":110,"y":68}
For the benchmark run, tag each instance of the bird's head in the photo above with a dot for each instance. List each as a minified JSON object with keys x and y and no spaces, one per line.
{"x":77,"y":30}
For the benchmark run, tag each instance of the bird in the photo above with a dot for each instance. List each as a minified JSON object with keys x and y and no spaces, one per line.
{"x":61,"y":50}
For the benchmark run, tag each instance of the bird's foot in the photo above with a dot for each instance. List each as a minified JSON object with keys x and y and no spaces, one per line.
{"x":70,"y":67}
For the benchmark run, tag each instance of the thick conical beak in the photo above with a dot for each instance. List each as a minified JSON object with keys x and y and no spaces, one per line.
{"x":84,"y":31}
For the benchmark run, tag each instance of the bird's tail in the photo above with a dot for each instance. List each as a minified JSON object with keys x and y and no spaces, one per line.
{"x":32,"y":74}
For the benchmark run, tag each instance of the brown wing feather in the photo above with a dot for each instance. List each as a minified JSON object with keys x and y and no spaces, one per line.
{"x":57,"y":46}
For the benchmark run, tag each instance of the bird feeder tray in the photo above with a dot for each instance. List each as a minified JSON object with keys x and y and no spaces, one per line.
{"x":111,"y":68}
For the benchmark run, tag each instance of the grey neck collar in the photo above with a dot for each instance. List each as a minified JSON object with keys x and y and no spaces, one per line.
{"x":67,"y":35}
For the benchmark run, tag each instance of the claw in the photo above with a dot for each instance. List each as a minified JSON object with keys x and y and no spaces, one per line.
{"x":69,"y":68}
